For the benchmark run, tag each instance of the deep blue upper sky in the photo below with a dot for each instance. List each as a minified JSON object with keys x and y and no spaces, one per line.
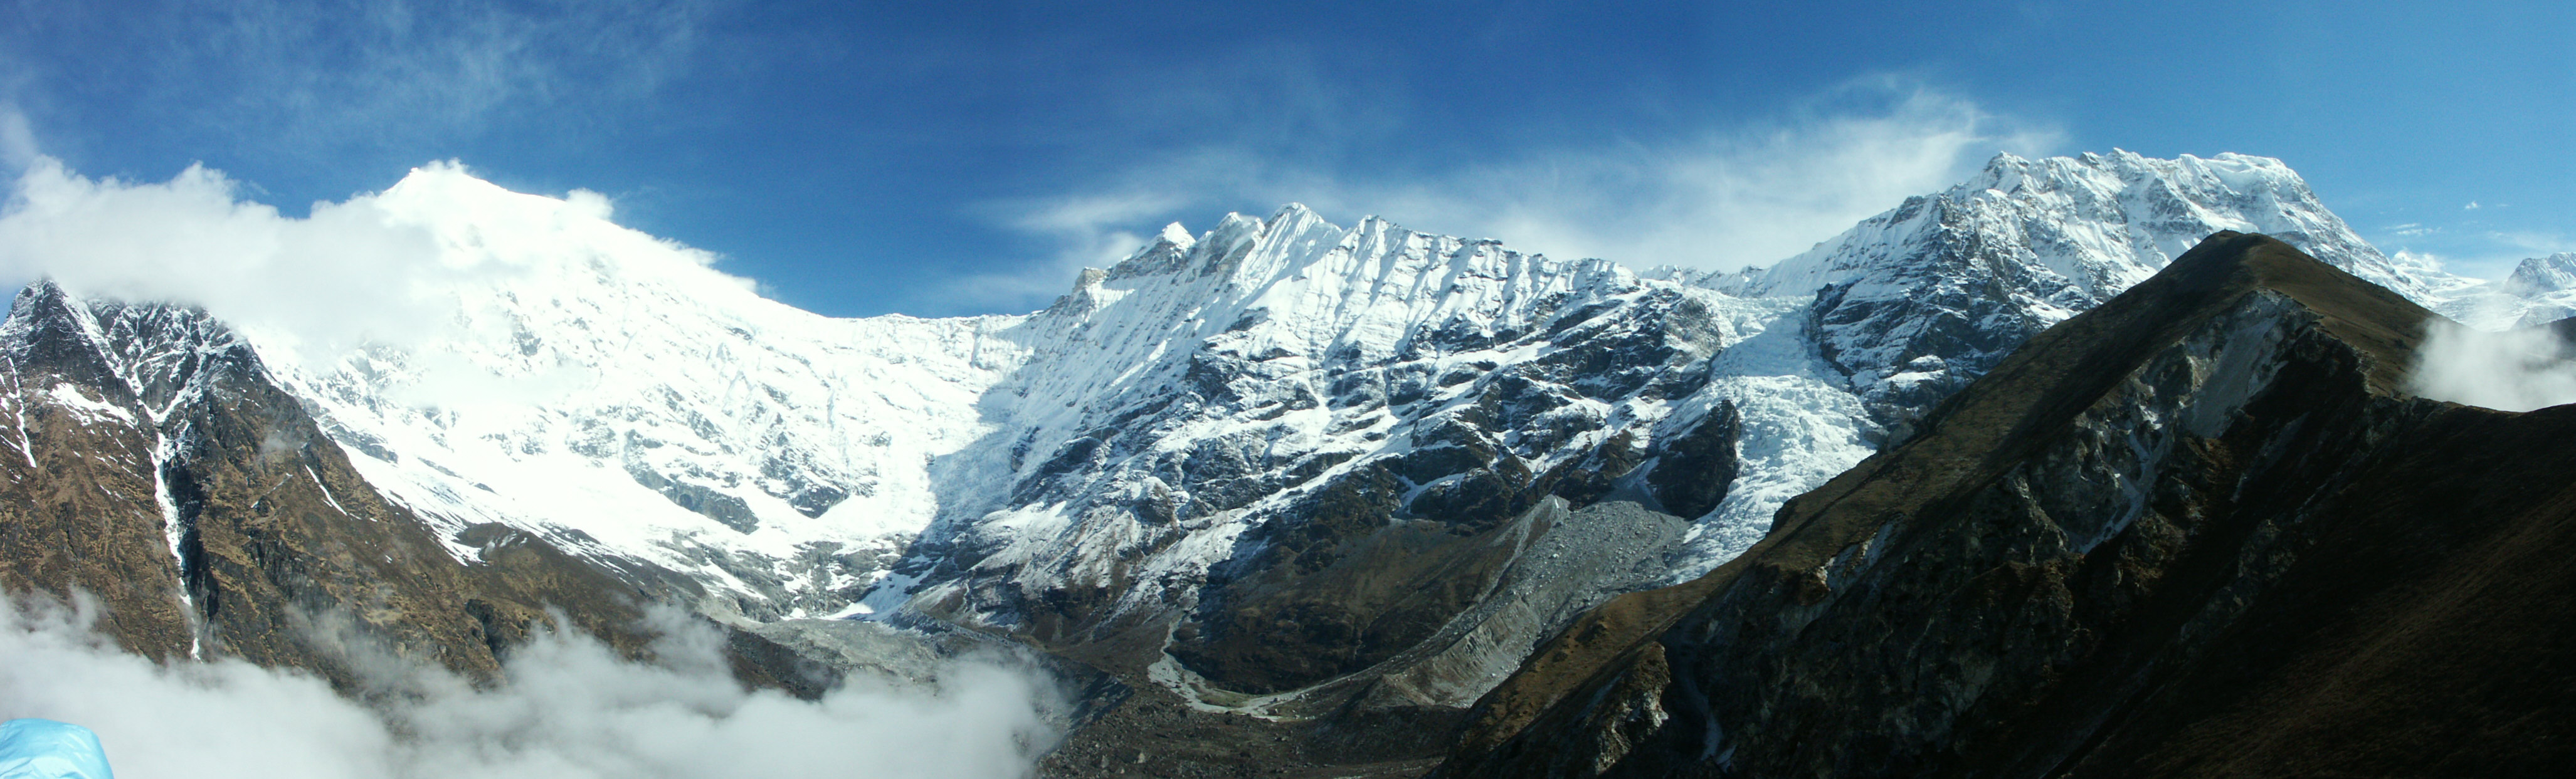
{"x":958,"y":157}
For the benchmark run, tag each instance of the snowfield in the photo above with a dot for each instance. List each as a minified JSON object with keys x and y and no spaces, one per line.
{"x":618,"y":396}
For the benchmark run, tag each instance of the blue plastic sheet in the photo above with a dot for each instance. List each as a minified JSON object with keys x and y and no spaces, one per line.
{"x":45,"y":749}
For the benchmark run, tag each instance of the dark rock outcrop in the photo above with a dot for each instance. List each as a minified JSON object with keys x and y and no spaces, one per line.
{"x":156,"y":468}
{"x":81,"y":512}
{"x":2198,"y":530}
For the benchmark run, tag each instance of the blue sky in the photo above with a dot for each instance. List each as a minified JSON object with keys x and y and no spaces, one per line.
{"x":947,"y":158}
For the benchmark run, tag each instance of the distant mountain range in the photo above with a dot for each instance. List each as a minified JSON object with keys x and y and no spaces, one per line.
{"x":1290,"y":472}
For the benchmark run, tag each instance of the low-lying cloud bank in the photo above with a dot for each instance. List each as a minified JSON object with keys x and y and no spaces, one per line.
{"x":570,"y":709}
{"x":2511,"y":370}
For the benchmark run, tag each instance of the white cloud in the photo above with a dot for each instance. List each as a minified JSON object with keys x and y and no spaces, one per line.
{"x":17,"y":139}
{"x":319,"y":78}
{"x":384,"y":268}
{"x":1728,"y":199}
{"x":2513,"y":370}
{"x":2426,"y":262}
{"x":2472,"y":206}
{"x":1086,"y":232}
{"x":1722,"y":199}
{"x":2535,"y":241}
{"x":345,"y":272}
{"x":570,"y":708}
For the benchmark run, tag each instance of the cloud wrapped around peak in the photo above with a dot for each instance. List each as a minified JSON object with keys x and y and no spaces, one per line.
{"x":377,"y":268}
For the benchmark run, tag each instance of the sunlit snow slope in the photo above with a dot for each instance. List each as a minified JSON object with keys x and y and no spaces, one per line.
{"x":1197,"y":366}
{"x":611,"y":391}
{"x":1175,"y":419}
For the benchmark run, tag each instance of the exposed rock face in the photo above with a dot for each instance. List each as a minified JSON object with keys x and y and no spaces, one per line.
{"x":162,"y":472}
{"x":83,"y":508}
{"x":1405,"y":441}
{"x":2197,"y":530}
{"x":1346,"y":476}
{"x":1334,"y":443}
{"x":1281,"y":453}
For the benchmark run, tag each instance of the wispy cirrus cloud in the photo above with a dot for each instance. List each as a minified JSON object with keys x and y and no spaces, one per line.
{"x":327,"y":76}
{"x":17,"y":140}
{"x":2535,"y":241}
{"x":1721,"y":198}
{"x":1730,"y":197}
{"x":1093,"y":231}
{"x":2478,"y":248}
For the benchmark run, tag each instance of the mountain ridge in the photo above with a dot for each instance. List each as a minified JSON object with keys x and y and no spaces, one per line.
{"x":1280,"y":469}
{"x":2143,"y":545}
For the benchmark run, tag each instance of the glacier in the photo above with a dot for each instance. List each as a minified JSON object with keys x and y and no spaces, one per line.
{"x":1176,"y":428}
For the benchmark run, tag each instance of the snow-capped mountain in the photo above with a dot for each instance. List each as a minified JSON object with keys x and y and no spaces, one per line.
{"x":611,"y":393}
{"x":2201,"y":528}
{"x":2540,"y":290}
{"x":1278,"y":375}
{"x":1254,"y":409}
{"x":1276,"y":455}
{"x":2546,"y":286}
{"x":1915,"y":302}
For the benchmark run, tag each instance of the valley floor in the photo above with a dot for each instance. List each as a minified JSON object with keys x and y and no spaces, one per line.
{"x":1154,"y":734}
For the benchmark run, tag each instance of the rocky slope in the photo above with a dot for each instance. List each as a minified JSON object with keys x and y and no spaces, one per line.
{"x":1353,"y":588}
{"x":160,"y":472}
{"x":1281,"y":469}
{"x":2200,"y":529}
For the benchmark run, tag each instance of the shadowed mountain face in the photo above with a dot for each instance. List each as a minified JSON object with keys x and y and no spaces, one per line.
{"x":2197,"y":530}
{"x":1340,"y":481}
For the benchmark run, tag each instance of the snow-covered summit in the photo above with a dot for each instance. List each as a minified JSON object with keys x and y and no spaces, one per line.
{"x":1177,"y":414}
{"x":2540,"y":290}
{"x":612,"y":391}
{"x":1914,"y":302}
{"x":2544,"y":275}
{"x":1201,"y":385}
{"x":2094,"y":223}
{"x":1200,"y":428}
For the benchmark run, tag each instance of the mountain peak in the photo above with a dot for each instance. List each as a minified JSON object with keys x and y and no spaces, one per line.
{"x":1176,"y":235}
{"x":49,"y":312}
{"x":44,"y":291}
{"x":2554,"y":273}
{"x":2242,"y":345}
